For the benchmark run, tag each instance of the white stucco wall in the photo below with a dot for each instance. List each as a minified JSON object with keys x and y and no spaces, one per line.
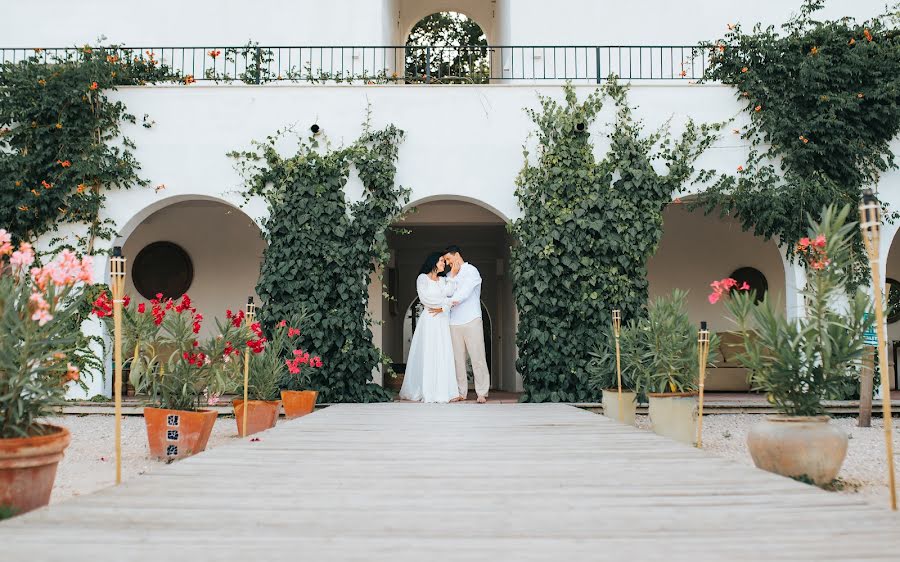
{"x":59,"y":23}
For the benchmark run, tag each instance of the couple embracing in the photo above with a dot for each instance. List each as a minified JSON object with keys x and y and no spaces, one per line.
{"x":448,"y":330}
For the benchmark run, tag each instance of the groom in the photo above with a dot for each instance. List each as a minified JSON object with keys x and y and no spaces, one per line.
{"x":466,"y":329}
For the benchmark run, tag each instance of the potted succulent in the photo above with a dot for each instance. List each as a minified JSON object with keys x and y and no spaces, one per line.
{"x":603,"y":376}
{"x":290,"y":366}
{"x":40,"y":340}
{"x":800,"y":362}
{"x":178,"y":372}
{"x":662,"y":355}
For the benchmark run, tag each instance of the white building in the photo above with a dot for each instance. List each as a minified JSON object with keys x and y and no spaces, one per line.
{"x":463,"y":142}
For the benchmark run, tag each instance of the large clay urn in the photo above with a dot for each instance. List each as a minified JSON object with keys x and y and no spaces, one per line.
{"x":28,"y":468}
{"x":802,"y":447}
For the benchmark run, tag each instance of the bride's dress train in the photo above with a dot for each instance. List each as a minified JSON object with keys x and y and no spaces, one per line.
{"x":430,"y":372}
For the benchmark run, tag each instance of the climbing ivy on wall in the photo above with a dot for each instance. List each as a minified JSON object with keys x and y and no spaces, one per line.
{"x":322,"y":249}
{"x":60,"y":141}
{"x":824,"y":103}
{"x":587,"y":229}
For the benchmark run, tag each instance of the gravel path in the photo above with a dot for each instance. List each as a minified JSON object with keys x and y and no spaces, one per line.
{"x":90,"y":463}
{"x":864,"y":471}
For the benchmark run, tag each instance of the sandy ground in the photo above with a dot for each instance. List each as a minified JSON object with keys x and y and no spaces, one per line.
{"x":864,"y":471}
{"x":89,"y":463}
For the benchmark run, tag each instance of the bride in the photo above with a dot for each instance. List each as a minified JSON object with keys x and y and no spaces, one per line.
{"x":430,"y":372}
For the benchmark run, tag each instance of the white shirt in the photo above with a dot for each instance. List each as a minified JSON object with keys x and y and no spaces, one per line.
{"x":468,"y":294}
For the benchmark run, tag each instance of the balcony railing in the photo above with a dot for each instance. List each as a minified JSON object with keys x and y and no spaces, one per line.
{"x":257,"y":64}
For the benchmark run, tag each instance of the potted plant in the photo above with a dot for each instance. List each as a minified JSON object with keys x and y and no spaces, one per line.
{"x":603,"y":376}
{"x":40,"y":341}
{"x":663,"y":360}
{"x":262,"y":388}
{"x":290,"y":367}
{"x":178,"y":372}
{"x":800,"y":362}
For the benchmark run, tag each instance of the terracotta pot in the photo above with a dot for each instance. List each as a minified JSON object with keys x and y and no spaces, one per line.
{"x":262,"y":415}
{"x":298,"y":402}
{"x":802,"y":447}
{"x":674,"y":415}
{"x":395,"y":382}
{"x":28,"y":468}
{"x":176,"y":434}
{"x":611,"y":405}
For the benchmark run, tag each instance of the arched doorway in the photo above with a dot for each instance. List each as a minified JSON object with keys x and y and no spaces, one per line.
{"x":201,"y":246}
{"x":482,"y":236}
{"x":696,"y":249}
{"x":447,"y":48}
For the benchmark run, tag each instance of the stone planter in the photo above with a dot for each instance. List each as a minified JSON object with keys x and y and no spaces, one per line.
{"x":28,"y":468}
{"x":298,"y":402}
{"x":674,"y":415}
{"x":802,"y":447}
{"x":611,"y":405}
{"x":175,"y":434}
{"x":261,"y":415}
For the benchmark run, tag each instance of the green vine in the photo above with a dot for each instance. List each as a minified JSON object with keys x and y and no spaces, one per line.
{"x":60,"y":141}
{"x":588,"y":228}
{"x":824,"y":104}
{"x":323,"y":249}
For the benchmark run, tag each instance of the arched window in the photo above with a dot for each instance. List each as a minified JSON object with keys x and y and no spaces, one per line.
{"x":162,"y":267}
{"x":447,"y":47}
{"x":754,"y":278}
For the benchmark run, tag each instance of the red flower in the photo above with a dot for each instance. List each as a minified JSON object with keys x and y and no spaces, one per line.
{"x":141,"y":308}
{"x":293,"y":332}
{"x":282,"y":324}
{"x":724,"y":286}
{"x":94,"y":86}
{"x":868,"y":34}
{"x":257,"y":329}
{"x":214,"y":53}
{"x":126,"y":300}
{"x":64,"y":163}
{"x":102,"y":306}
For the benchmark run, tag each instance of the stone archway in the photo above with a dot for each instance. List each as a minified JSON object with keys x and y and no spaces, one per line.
{"x":481,"y":233}
{"x":222,"y":244}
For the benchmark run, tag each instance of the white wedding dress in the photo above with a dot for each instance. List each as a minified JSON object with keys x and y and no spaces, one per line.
{"x":430,"y":372}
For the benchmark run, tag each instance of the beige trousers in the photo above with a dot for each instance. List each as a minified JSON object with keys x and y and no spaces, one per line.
{"x":469,"y":338}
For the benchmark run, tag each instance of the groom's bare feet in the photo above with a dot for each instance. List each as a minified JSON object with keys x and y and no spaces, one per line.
{"x":482,"y":400}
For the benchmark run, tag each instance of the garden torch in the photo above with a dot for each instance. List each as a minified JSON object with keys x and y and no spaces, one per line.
{"x":617,"y":326}
{"x":870,"y":223}
{"x":117,"y":286}
{"x":702,"y":357}
{"x":251,"y":312}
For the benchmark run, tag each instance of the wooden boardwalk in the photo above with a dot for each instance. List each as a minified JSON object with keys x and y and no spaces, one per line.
{"x":427,"y":483}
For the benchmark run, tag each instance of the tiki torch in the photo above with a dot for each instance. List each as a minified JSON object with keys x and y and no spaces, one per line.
{"x":117,"y":286}
{"x":870,"y":223}
{"x":702,"y":357}
{"x":251,"y":312}
{"x":617,"y":327}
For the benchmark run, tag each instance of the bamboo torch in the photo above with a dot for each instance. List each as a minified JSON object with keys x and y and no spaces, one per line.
{"x":251,"y":312}
{"x":117,"y":285}
{"x":617,"y":326}
{"x":702,"y":357}
{"x":870,"y":223}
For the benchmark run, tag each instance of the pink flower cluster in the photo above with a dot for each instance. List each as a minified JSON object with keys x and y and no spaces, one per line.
{"x":302,"y":358}
{"x":65,"y":271}
{"x":814,"y":251}
{"x":725,"y":286}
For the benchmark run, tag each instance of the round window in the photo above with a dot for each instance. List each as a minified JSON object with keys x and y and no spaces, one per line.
{"x":162,"y":267}
{"x":754,"y":278}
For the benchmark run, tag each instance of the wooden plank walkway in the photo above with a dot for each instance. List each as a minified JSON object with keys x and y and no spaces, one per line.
{"x":428,"y":483}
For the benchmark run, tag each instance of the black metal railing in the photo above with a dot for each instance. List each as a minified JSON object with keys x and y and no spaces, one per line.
{"x":408,"y":64}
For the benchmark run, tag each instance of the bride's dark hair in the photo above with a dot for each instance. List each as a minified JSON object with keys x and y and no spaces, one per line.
{"x":431,"y":264}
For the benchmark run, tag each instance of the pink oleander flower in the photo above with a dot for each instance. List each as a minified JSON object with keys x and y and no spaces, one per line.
{"x":23,"y":257}
{"x":42,"y":316}
{"x":213,"y":399}
{"x":724,"y":286}
{"x":72,"y":373}
{"x":6,"y":246}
